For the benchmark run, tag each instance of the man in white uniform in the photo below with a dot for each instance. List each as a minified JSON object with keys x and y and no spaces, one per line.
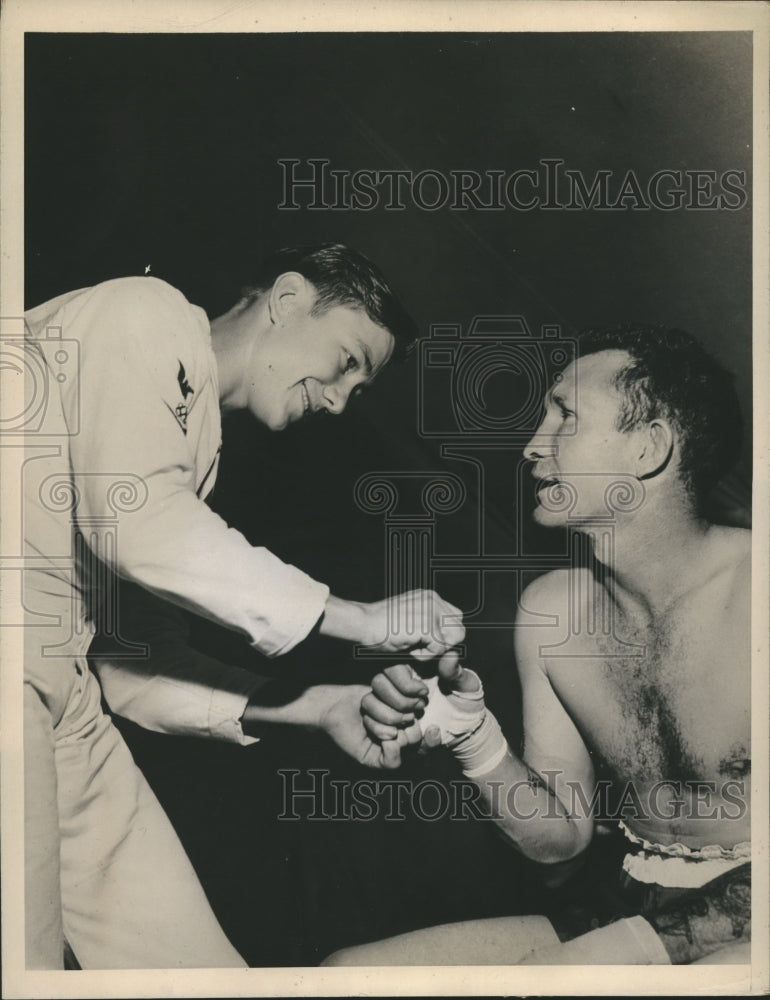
{"x":115,"y":490}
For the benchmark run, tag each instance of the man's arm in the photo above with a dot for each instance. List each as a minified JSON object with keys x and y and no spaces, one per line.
{"x":335,"y":710}
{"x":427,"y":624}
{"x":179,"y":690}
{"x":173,"y":688}
{"x":554,"y":761}
{"x":530,"y":795}
{"x":133,"y":332}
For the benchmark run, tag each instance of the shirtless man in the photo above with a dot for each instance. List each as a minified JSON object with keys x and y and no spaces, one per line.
{"x":635,"y":675}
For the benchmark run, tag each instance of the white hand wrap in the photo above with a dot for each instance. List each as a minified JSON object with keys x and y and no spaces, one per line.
{"x":467,"y":727}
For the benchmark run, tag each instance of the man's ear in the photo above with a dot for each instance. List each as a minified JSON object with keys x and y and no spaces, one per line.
{"x":657,"y":446}
{"x":290,"y":292}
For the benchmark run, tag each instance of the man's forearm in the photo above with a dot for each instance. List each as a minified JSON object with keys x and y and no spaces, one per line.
{"x":522,"y":801}
{"x":348,"y":620}
{"x":418,"y":622}
{"x":529,"y":813}
{"x":304,"y":708}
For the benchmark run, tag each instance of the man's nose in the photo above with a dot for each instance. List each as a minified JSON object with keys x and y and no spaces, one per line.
{"x":539,"y":445}
{"x":336,"y":398}
{"x":531,"y":451}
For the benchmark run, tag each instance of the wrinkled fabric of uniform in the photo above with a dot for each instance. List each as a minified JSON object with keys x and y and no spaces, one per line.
{"x":114,"y":476}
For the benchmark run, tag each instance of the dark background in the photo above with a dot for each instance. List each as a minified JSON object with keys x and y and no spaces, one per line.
{"x":162,"y":151}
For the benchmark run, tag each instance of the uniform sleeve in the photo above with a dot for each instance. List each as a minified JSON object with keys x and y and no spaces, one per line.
{"x":171,"y":688}
{"x":169,"y":541}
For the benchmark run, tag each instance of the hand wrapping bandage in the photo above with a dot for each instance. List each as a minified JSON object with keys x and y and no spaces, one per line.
{"x":467,"y":727}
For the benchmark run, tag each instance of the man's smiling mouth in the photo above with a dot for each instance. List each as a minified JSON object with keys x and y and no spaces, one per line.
{"x":305,"y":399}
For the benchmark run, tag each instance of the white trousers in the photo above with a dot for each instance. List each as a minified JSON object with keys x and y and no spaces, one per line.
{"x":103,"y":866}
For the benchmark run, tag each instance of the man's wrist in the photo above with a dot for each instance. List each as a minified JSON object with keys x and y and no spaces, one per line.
{"x":307,"y":708}
{"x":348,"y":620}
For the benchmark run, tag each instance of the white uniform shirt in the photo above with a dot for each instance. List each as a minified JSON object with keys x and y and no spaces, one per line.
{"x":144,"y":406}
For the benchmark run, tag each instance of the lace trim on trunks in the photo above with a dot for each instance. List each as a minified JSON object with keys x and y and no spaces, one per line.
{"x":711,"y":852}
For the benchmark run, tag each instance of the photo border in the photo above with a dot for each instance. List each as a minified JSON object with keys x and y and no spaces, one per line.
{"x":207,"y":16}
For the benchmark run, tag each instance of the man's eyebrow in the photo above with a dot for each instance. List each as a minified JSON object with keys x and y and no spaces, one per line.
{"x":556,"y":396}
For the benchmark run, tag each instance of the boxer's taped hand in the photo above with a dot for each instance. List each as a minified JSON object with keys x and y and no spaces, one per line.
{"x":457,"y":715}
{"x":467,"y":727}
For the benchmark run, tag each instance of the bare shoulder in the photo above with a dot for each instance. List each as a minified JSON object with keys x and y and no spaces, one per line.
{"x":739,"y":540}
{"x":732,"y":549}
{"x":546,"y":608}
{"x":549,"y":594}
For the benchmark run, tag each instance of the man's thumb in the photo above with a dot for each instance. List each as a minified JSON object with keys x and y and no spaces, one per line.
{"x":453,"y":676}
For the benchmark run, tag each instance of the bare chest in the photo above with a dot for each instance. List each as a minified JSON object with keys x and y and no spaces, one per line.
{"x":664,"y":700}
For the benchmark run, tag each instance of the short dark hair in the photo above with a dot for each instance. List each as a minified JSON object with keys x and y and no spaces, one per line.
{"x":341,"y":276}
{"x":670,"y":374}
